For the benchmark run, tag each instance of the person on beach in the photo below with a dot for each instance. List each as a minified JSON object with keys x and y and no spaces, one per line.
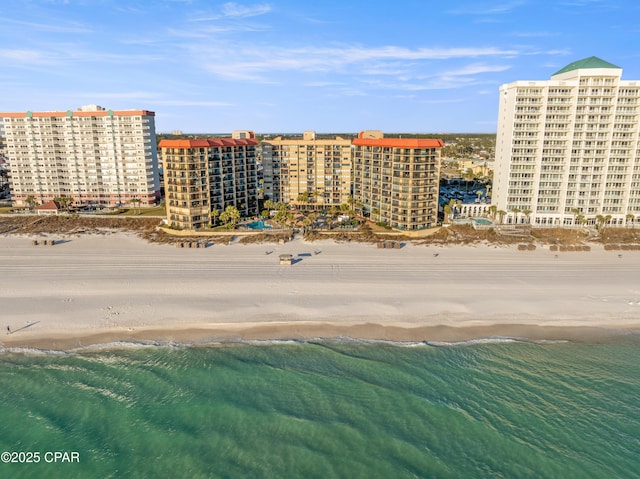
{"x":8,"y":330}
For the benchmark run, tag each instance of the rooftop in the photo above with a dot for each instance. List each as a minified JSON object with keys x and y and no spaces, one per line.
{"x":205,"y":143}
{"x":399,"y":142}
{"x":591,"y":62}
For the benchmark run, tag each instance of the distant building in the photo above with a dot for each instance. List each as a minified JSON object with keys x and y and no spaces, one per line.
{"x":317,"y":168}
{"x":567,"y":149}
{"x":396,"y":179}
{"x":93,"y":155}
{"x":209,"y":174}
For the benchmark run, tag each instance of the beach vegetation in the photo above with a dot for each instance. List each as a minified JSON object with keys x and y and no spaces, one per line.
{"x":230,"y":216}
{"x":447,"y":212}
{"x":215,"y":214}
{"x":31,"y":201}
{"x":136,"y":204}
{"x":630,"y":218}
{"x":384,"y":225}
{"x":304,"y":197}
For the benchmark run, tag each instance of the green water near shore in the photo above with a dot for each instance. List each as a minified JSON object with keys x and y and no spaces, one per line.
{"x":327,"y":409}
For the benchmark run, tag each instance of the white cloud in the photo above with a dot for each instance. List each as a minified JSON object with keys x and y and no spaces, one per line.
{"x":232,"y":9}
{"x":235,"y":10}
{"x":251,"y":63}
{"x":26,"y":57}
{"x":491,"y":9}
{"x":214,"y":104}
{"x":475,"y":69}
{"x":45,"y":27}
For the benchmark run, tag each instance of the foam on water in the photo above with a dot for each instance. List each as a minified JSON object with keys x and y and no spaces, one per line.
{"x":497,"y":407}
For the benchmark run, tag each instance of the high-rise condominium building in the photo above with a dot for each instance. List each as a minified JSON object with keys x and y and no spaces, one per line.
{"x":567,"y":149}
{"x":396,"y":179}
{"x":317,"y":168}
{"x":92,"y":155}
{"x":209,"y":174}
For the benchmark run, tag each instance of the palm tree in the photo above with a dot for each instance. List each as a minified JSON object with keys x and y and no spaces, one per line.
{"x":479,"y":193}
{"x":64,"y":201}
{"x":215,"y":213}
{"x":135,"y":202}
{"x":447,"y":212}
{"x":576,"y":212}
{"x":501,"y":214}
{"x":30,"y":201}
{"x":468,"y":176}
{"x":630,"y":219}
{"x":515,"y":212}
{"x":304,"y":197}
{"x":230,"y":216}
{"x":600,"y":220}
{"x":527,"y":213}
{"x":493,"y":209}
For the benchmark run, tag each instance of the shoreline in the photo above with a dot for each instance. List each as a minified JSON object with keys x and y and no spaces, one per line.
{"x":100,"y":289}
{"x":234,"y":334}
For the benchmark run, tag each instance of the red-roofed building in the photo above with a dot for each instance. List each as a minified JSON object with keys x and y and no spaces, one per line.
{"x":203,"y":175}
{"x":93,"y":155}
{"x":49,"y":208}
{"x":396,"y":179}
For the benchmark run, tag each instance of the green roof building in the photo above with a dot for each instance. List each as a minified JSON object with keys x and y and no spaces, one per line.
{"x":587,"y":63}
{"x":568,"y":148}
{"x":591,"y":63}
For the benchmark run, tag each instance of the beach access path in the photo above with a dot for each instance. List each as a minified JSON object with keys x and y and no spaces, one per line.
{"x":91,"y":289}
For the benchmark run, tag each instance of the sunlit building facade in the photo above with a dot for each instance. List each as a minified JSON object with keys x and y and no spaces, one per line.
{"x":206,"y":175}
{"x":567,"y":149}
{"x":396,"y":179}
{"x":93,"y":155}
{"x":316,"y":168}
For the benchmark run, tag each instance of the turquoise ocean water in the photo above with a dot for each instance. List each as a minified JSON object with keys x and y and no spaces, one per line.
{"x":327,"y":409}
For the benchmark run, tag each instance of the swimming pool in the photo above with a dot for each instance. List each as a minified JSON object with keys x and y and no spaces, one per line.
{"x":482,"y":221}
{"x":258,"y":225}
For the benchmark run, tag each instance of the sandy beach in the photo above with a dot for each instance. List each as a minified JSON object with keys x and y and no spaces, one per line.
{"x":97,"y":289}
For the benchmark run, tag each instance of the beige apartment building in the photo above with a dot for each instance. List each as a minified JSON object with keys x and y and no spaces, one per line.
{"x":203,"y":175}
{"x":396,"y":179}
{"x":93,"y":155}
{"x":317,"y":168}
{"x":568,"y":148}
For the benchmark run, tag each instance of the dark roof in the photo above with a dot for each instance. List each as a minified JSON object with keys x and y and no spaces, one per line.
{"x":591,"y":62}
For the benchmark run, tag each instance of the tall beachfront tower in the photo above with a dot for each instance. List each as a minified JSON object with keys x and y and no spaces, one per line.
{"x":319,"y":168}
{"x":209,"y":174}
{"x":567,"y":149}
{"x":396,"y":179}
{"x":92,"y":155}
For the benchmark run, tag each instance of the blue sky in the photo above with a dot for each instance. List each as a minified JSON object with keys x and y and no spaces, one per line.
{"x":294,"y":65}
